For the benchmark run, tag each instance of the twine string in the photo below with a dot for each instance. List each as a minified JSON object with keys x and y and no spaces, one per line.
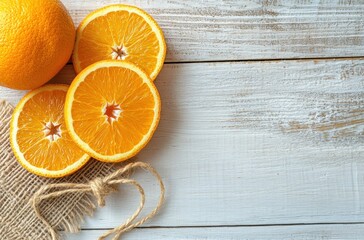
{"x":100,"y":188}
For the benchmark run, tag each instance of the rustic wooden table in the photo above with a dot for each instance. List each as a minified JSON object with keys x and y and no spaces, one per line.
{"x":261,"y":135}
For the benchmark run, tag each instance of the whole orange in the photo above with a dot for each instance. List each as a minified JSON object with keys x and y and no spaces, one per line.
{"x":36,"y":41}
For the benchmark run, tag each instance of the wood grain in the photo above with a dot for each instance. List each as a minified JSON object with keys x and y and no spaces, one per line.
{"x":253,"y":143}
{"x":214,"y":30}
{"x":319,"y":232}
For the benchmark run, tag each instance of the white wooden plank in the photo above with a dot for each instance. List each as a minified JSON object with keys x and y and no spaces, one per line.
{"x":253,"y":143}
{"x":313,"y":232}
{"x":10,"y":95}
{"x":250,"y":29}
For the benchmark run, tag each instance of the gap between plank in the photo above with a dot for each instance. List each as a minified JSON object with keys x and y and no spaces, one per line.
{"x":237,"y":226}
{"x":265,"y":60}
{"x":272,"y":60}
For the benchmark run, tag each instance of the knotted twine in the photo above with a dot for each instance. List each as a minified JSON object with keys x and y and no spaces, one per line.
{"x":100,"y":188}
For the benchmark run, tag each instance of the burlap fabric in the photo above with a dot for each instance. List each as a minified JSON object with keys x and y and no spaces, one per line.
{"x":17,"y":186}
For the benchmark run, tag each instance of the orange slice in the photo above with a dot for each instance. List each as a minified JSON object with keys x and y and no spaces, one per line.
{"x":112,"y":110}
{"x":120,"y":32}
{"x":38,"y":135}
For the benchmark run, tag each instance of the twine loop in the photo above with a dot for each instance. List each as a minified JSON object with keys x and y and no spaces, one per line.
{"x":100,"y":188}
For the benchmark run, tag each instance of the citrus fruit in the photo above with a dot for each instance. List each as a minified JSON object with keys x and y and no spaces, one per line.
{"x":36,"y":41}
{"x":120,"y":32}
{"x":38,"y":135}
{"x":112,"y":110}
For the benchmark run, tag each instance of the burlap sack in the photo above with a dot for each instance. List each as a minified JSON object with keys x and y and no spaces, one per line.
{"x":17,"y":186}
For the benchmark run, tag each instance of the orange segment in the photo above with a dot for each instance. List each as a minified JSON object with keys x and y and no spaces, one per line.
{"x":112,"y":110}
{"x":120,"y":32}
{"x":39,"y":137}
